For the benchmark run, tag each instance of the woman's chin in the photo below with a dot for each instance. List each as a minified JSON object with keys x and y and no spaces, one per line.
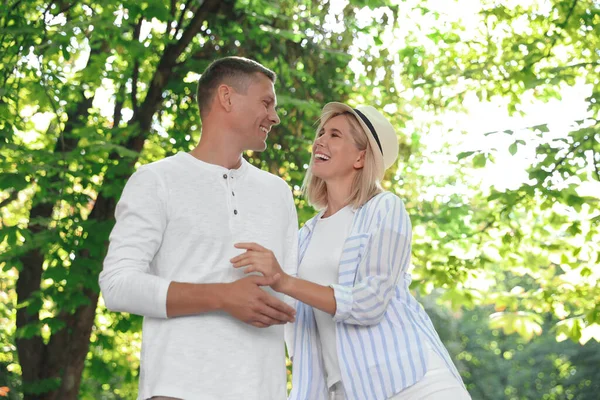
{"x":319,"y":173}
{"x":329,"y":174}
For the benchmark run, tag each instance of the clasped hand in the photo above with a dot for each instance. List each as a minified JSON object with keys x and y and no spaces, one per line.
{"x":256,"y":258}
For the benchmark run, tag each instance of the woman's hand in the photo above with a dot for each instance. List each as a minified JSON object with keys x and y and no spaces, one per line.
{"x":259,"y":259}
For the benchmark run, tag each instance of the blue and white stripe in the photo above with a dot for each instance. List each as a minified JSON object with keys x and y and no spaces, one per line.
{"x":382,"y":332}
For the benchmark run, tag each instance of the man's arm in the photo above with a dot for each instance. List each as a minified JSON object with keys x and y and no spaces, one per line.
{"x":242,"y":299}
{"x":128,"y":286}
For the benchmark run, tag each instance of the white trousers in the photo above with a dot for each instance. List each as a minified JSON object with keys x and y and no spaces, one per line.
{"x":437,"y":384}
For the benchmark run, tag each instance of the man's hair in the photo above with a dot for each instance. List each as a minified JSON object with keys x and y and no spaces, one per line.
{"x":366,"y":183}
{"x":237,"y":72}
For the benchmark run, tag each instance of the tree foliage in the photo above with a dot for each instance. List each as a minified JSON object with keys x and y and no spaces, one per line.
{"x":89,"y":91}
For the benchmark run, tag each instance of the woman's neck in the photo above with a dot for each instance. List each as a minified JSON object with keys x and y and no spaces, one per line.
{"x":337,"y":197}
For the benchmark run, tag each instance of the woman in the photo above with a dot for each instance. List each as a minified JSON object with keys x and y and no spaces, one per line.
{"x":359,"y":333}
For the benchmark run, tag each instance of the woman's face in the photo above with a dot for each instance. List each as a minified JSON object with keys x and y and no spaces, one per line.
{"x":335,"y":155}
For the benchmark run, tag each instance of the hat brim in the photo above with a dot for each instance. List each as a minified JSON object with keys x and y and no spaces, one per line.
{"x":335,"y":107}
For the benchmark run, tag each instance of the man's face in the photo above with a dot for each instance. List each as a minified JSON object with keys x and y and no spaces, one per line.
{"x":254,"y":113}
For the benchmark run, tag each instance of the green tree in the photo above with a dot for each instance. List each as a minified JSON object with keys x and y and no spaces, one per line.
{"x":91,"y":91}
{"x":500,"y":366}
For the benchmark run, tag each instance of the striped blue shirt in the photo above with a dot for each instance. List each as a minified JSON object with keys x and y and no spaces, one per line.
{"x":382,"y":332}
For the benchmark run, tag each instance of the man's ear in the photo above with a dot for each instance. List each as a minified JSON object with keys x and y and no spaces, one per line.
{"x":224,"y":94}
{"x":360,"y":160}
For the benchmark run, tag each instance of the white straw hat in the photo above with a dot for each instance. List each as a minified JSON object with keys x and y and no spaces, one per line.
{"x":381,"y":133}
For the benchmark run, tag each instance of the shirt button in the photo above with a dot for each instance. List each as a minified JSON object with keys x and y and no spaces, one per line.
{"x":232,"y":193}
{"x":224,"y":176}
{"x":235,"y":212}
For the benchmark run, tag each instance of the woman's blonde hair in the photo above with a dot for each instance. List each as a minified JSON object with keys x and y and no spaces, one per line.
{"x":366,"y":182}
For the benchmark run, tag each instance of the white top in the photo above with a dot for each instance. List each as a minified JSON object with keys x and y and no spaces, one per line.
{"x":320,"y":265}
{"x":177,"y":220}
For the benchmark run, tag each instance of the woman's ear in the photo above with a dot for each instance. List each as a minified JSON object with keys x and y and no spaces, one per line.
{"x":360,"y":160}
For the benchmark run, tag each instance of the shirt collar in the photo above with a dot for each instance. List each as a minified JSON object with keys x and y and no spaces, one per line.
{"x":310,"y":224}
{"x":218,"y":169}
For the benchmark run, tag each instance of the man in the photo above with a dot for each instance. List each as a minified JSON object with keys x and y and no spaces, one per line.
{"x":209,"y":333}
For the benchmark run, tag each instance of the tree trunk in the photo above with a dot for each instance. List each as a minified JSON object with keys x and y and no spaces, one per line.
{"x":31,"y":350}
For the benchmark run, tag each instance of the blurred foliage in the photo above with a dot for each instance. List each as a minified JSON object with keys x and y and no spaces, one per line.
{"x":89,"y":91}
{"x":499,"y":366}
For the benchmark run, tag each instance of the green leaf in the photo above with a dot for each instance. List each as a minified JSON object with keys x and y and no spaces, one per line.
{"x":513,"y":148}
{"x":479,"y":160}
{"x":295,"y":37}
{"x":464,"y":154}
{"x":41,"y":386}
{"x":574,"y":229}
{"x":304,"y":105}
{"x":594,"y":315}
{"x":54,"y":323}
{"x":28,"y":331}
{"x":495,"y":195}
{"x":541,"y":128}
{"x":526,"y":324}
{"x":569,"y":328}
{"x":156,"y":9}
{"x":13,"y":181}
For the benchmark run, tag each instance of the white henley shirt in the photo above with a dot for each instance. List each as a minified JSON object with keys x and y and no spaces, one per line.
{"x":177,"y":220}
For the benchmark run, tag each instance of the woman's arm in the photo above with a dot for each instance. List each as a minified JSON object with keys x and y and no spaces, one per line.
{"x":381,"y":267}
{"x":259,"y":259}
{"x":313,"y":294}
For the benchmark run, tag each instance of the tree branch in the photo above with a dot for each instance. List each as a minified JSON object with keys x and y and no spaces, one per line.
{"x":13,"y":195}
{"x":65,"y":7}
{"x":596,"y":169}
{"x":554,"y":40}
{"x":136,"y":67}
{"x":118,"y":111}
{"x":207,"y":7}
{"x":168,"y":60}
{"x":172,"y":11}
{"x":578,"y":65}
{"x":564,"y":158}
{"x":181,"y":16}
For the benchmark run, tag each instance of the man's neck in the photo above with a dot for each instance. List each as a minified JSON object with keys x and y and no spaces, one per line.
{"x":218,"y":149}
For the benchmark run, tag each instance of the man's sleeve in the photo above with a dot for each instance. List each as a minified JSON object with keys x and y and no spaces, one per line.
{"x":290,"y":266}
{"x":126,"y":282}
{"x":290,"y":261}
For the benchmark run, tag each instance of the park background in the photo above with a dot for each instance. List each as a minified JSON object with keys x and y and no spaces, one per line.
{"x":496,"y":105}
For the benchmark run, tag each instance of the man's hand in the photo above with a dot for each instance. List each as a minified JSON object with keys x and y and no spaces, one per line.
{"x":246,"y":301}
{"x":260,"y":259}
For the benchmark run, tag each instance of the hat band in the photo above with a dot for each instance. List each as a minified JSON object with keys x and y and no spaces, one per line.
{"x":371,"y":128}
